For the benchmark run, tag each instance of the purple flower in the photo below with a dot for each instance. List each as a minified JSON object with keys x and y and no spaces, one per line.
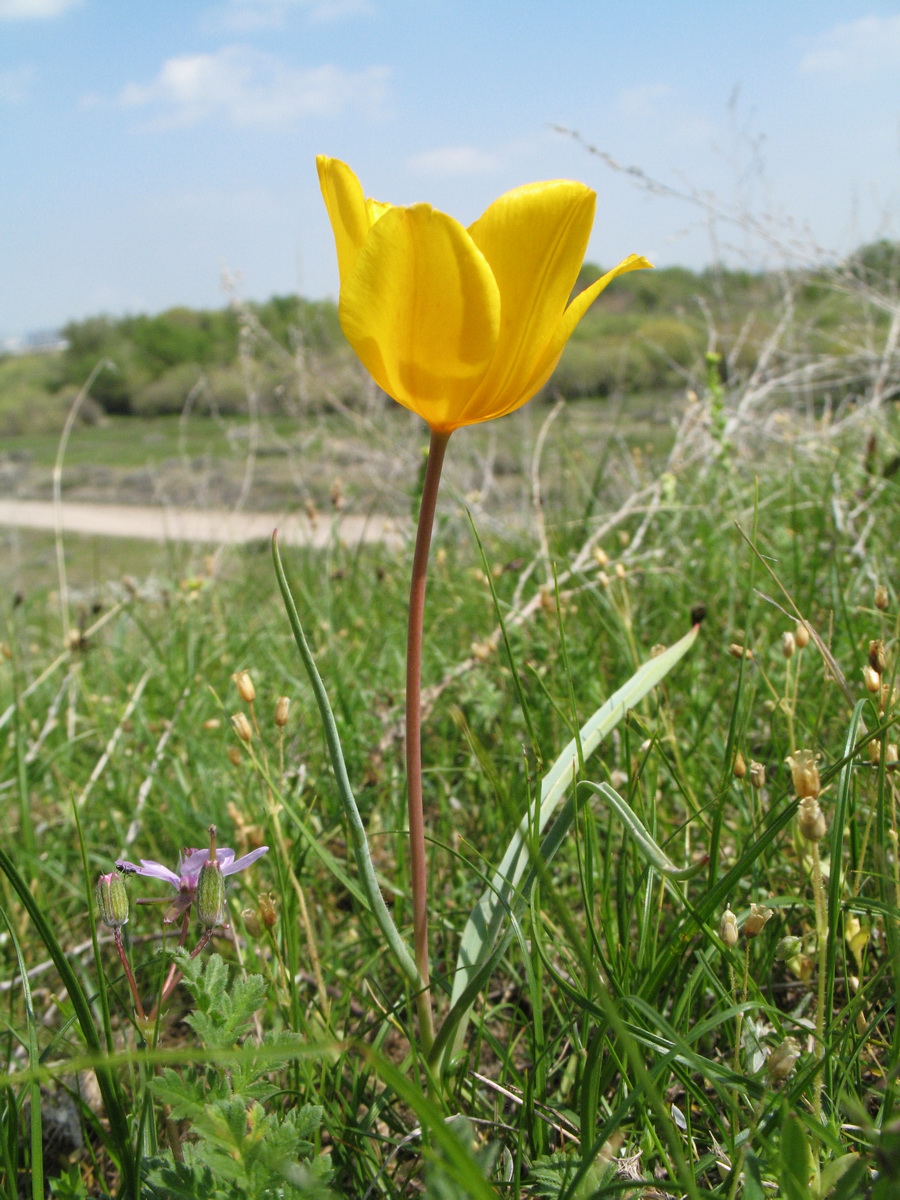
{"x":184,"y":880}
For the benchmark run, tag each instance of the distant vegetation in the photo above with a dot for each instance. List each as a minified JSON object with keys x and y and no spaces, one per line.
{"x":650,"y":332}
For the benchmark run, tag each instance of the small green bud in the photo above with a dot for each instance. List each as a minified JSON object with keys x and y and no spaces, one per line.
{"x":789,"y":947}
{"x":112,"y":900}
{"x":211,"y":894}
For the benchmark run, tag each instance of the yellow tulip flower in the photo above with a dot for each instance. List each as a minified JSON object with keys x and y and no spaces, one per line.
{"x":462,"y":325}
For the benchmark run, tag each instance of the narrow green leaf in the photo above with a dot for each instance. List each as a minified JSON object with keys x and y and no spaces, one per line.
{"x":509,"y":884}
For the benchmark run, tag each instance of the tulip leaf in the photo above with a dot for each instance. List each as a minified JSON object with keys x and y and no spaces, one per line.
{"x":359,"y":841}
{"x":510,"y":885}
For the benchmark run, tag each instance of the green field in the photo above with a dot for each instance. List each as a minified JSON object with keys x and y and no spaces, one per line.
{"x":642,"y":1029}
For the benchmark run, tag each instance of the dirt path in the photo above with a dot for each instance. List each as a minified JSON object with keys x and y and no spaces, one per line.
{"x":216,"y":526}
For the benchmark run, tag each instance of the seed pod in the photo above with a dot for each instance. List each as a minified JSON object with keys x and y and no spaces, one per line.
{"x":282,"y":707}
{"x":789,"y":947}
{"x":738,"y":651}
{"x":811,"y":820}
{"x":783,"y":1059}
{"x":740,"y":767}
{"x":877,"y":659}
{"x":242,"y":727}
{"x":757,"y":919}
{"x":112,"y":900}
{"x":871,"y":679}
{"x":244,"y":685}
{"x":788,"y":644}
{"x":805,"y":774}
{"x":267,"y":911}
{"x":728,"y":930}
{"x":758,"y":775}
{"x":252,"y":924}
{"x":801,"y":635}
{"x":882,"y":598}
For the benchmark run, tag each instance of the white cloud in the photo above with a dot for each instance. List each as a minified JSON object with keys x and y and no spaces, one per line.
{"x":14,"y":10}
{"x":15,"y":84}
{"x":855,"y":47}
{"x":452,"y":161}
{"x":245,"y":87}
{"x":271,"y":14}
{"x":642,"y":101}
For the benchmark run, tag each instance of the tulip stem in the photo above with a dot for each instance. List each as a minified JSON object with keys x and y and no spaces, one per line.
{"x":418,"y":865}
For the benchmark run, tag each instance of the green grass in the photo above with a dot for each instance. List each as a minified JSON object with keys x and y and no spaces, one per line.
{"x":608,"y":1029}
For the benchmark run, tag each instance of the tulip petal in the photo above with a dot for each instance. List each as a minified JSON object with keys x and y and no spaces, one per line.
{"x":351,"y":215}
{"x":534,"y":239}
{"x":550,"y":356}
{"x":421,"y":309}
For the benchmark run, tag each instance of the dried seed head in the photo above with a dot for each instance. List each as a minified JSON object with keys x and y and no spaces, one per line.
{"x":244,"y":685}
{"x":788,"y":644}
{"x":757,"y":919}
{"x":738,"y":651}
{"x":601,"y":557}
{"x":811,"y":820}
{"x":312,"y":513}
{"x":881,"y":597}
{"x":234,"y":756}
{"x":252,"y":923}
{"x":112,"y":900}
{"x":874,"y":752}
{"x":282,"y":707}
{"x":801,"y":635}
{"x":740,"y":767}
{"x":805,"y":774}
{"x":337,"y":495}
{"x":871,"y":679}
{"x":877,"y":659}
{"x":620,"y":570}
{"x":758,"y":775}
{"x":783,"y":1059}
{"x":268,"y":913}
{"x":242,"y":727}
{"x":728,"y":930}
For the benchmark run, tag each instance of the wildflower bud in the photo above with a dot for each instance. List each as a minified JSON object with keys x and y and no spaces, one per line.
{"x":242,"y":727}
{"x":758,"y":775}
{"x":211,"y":894}
{"x":738,"y":651}
{"x":783,"y":1059}
{"x":267,"y":912}
{"x":788,"y":644}
{"x":789,"y":947}
{"x":282,"y":706}
{"x":740,"y":767}
{"x":801,"y":636}
{"x":244,"y":685}
{"x":252,"y":923}
{"x":112,"y":900}
{"x":877,"y":660}
{"x":805,"y":774}
{"x":728,"y":930}
{"x":871,"y":679}
{"x":757,"y":919}
{"x":811,"y":820}
{"x":881,"y":598}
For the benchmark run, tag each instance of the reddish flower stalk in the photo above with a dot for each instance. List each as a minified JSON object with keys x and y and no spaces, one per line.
{"x":418,"y":864}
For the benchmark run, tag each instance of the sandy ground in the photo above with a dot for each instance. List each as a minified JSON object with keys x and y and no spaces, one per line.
{"x":215,"y":526}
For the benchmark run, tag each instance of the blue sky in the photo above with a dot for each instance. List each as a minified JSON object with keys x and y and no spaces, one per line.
{"x":148,"y":146}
